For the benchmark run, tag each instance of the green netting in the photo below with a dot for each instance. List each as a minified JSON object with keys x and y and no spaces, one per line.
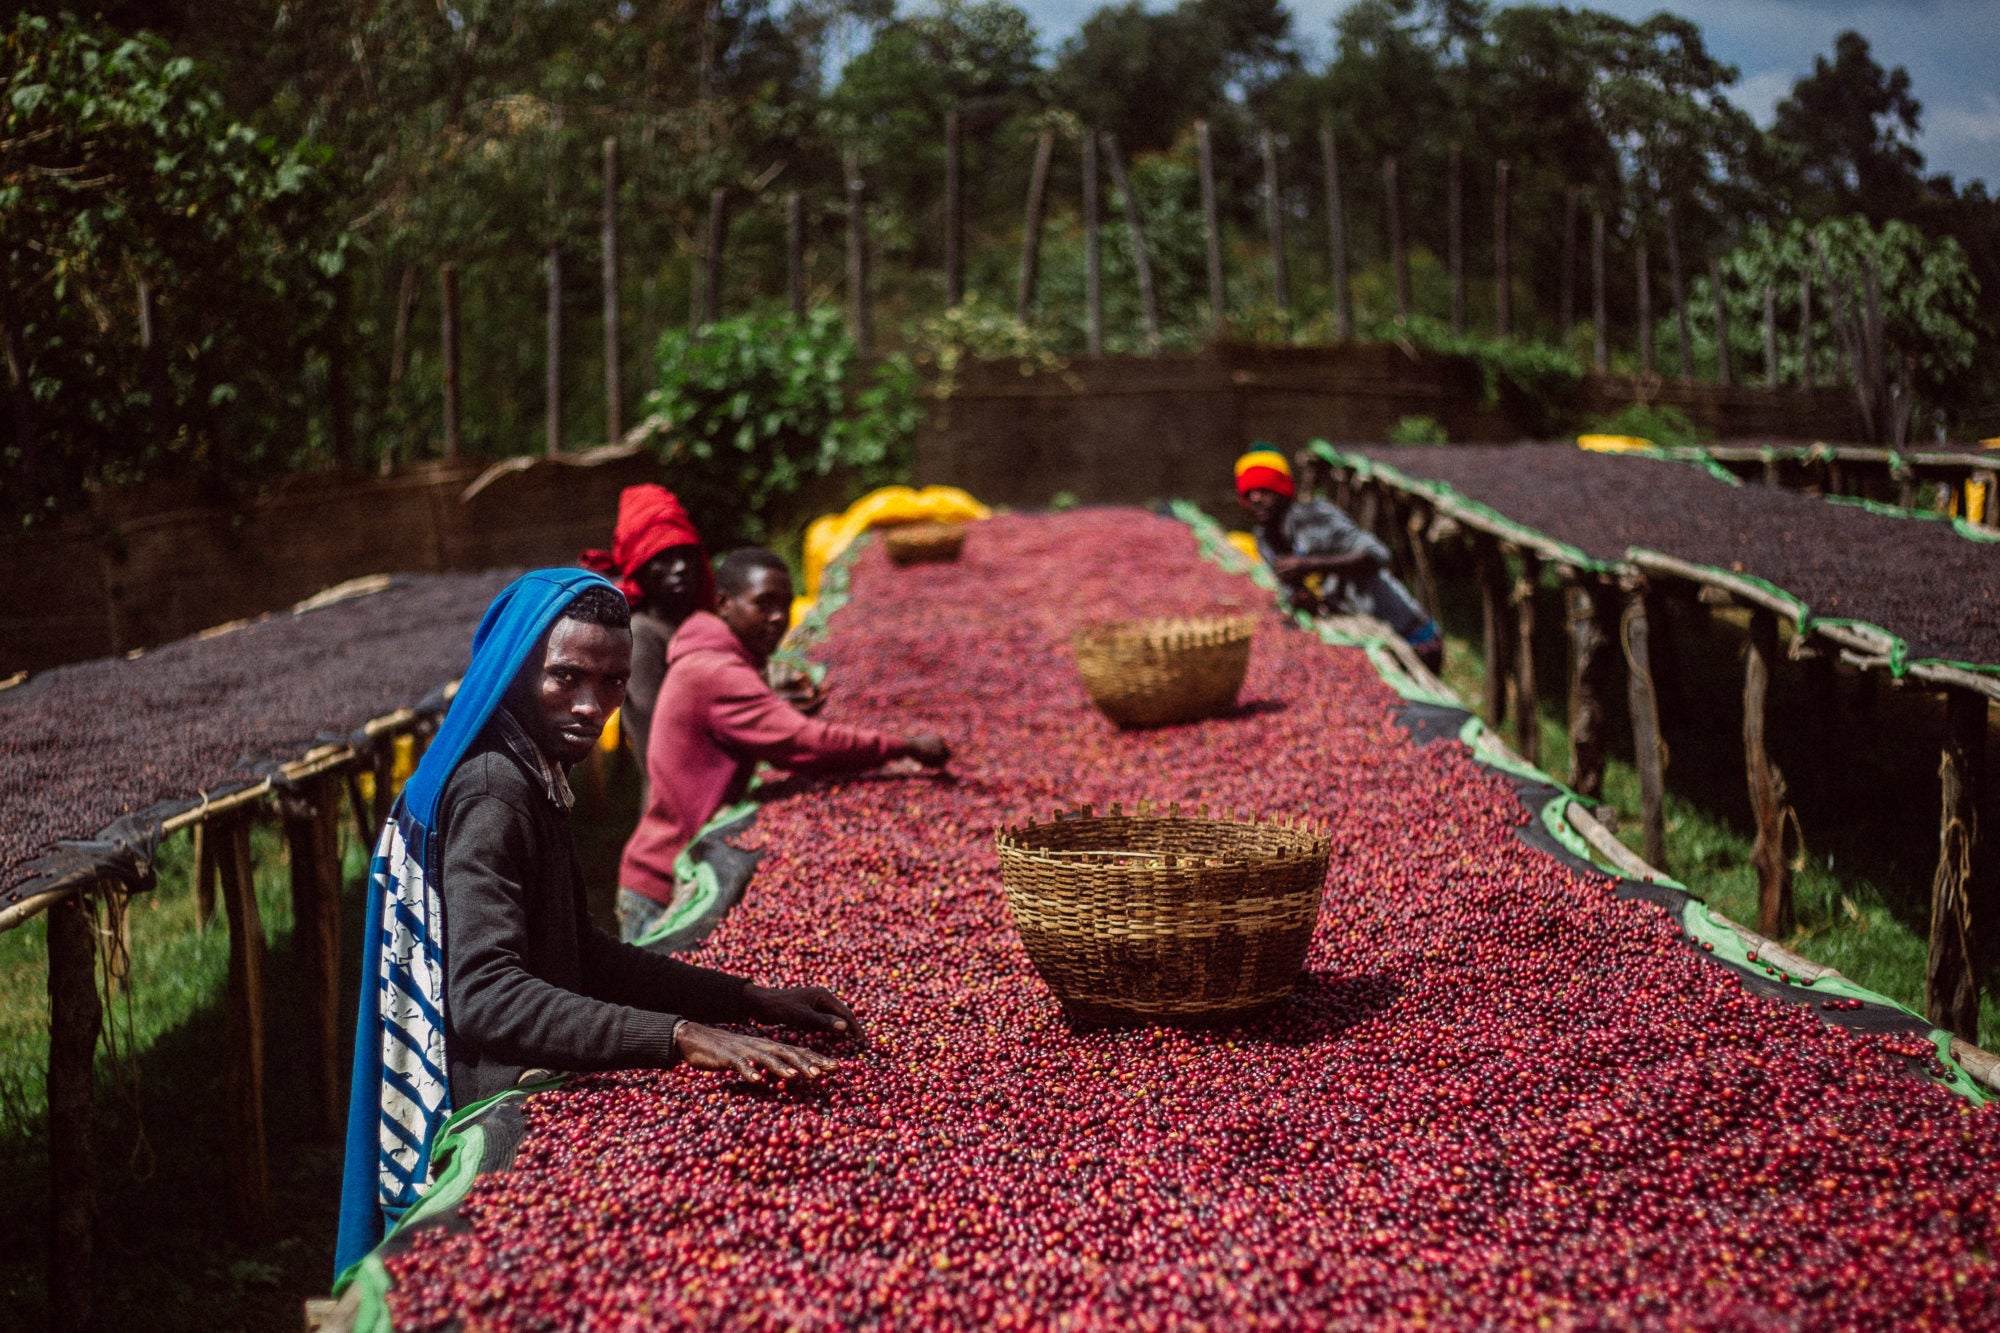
{"x":703,"y":891}
{"x":1970,"y":531}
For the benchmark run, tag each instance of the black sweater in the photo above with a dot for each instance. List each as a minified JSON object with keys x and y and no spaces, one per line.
{"x":529,"y":982}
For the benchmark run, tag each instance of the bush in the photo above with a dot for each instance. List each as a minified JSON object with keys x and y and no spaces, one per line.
{"x":1663,"y":425}
{"x":764,"y":417}
{"x":1535,"y":380}
{"x":1418,"y":430}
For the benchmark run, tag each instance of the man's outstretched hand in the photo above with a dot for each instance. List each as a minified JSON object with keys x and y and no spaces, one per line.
{"x":928,"y":750}
{"x":752,"y":1058}
{"x":813,"y":1008}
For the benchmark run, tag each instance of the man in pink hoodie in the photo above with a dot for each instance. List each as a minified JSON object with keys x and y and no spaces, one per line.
{"x":716,"y":718}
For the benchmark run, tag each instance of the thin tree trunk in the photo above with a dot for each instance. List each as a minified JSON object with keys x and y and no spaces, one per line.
{"x":954,"y":208}
{"x":1503,"y":258}
{"x":1093,"y":279}
{"x":1142,"y":263}
{"x":20,"y":392}
{"x":553,"y":428}
{"x":339,"y":397}
{"x":795,"y":252}
{"x":1336,"y":233}
{"x":1567,"y":299}
{"x":613,"y":371}
{"x":1455,"y":223}
{"x":448,"y":328}
{"x":1392,"y":203}
{"x":712,"y":258}
{"x":1031,"y":230}
{"x":1722,"y":368}
{"x":1211,"y":221}
{"x":857,"y":258}
{"x":1643,"y":274}
{"x":1600,"y":351}
{"x":1770,"y":337}
{"x":406,"y":311}
{"x":1805,"y":331}
{"x":1683,"y":334}
{"x":1274,"y":205}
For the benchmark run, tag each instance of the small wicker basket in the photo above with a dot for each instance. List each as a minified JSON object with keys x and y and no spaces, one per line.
{"x":1156,"y":672}
{"x":1159,"y":918}
{"x":922,"y":543}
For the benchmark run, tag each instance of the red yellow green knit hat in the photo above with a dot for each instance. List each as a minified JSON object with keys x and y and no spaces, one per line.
{"x":1264,"y":470}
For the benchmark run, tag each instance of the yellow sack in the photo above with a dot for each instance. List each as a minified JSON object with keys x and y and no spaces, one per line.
{"x":830,"y":534}
{"x":1246,"y":543}
{"x":1612,"y":444}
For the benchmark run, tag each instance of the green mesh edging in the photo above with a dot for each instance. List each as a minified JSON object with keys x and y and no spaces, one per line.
{"x":1970,"y":531}
{"x":1490,"y":751}
{"x":697,"y":889}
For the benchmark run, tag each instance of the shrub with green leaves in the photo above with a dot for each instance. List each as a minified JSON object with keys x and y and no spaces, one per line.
{"x":1532,"y":379}
{"x":1659,"y":423}
{"x":1418,"y":429}
{"x":763,"y":417}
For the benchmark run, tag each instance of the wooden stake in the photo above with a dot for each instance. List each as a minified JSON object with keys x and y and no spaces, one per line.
{"x":553,"y":426}
{"x":1527,"y":697}
{"x":1274,"y":215}
{"x":204,"y":877}
{"x":1951,"y":981}
{"x":312,"y":832}
{"x":76,"y":1017}
{"x":1093,"y":279}
{"x":357,"y":806}
{"x":1643,"y":273}
{"x":448,"y":324}
{"x":1336,"y":233}
{"x":1211,"y":223}
{"x":1031,"y":229}
{"x":795,"y":252}
{"x":1770,"y":337}
{"x":712,"y":252}
{"x":1722,"y":369}
{"x":1566,"y":300}
{"x":1806,"y":333}
{"x":1417,"y":526}
{"x":243,"y":1033}
{"x":1599,"y":316}
{"x":1455,"y":237}
{"x":1649,"y":753}
{"x":384,"y":762}
{"x":1684,"y":336}
{"x":1399,"y":260}
{"x":1767,"y":784}
{"x":1149,"y":304}
{"x":613,"y":371}
{"x":406,"y":310}
{"x":1587,"y":642}
{"x":862,"y":324}
{"x":1495,"y":642}
{"x":954,"y":207}
{"x":1503,"y":260}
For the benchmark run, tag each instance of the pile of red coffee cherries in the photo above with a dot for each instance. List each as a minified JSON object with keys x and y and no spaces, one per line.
{"x":1498,"y":1098}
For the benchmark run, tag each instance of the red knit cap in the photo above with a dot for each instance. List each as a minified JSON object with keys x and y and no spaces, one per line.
{"x":1264,"y":470}
{"x":650,"y":520}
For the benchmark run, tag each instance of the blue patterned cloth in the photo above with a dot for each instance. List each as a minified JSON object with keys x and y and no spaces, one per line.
{"x":401,"y":1091}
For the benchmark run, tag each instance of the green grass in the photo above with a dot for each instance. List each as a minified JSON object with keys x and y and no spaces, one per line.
{"x":1860,"y":763}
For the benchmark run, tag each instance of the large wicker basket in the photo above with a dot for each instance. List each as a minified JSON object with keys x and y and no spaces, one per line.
{"x":1156,"y":672}
{"x":1159,"y":918}
{"x":921,"y":543}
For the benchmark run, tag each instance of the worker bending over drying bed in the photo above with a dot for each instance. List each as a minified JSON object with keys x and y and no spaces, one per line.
{"x":1300,"y":539}
{"x":482,"y":970}
{"x":717,"y":719}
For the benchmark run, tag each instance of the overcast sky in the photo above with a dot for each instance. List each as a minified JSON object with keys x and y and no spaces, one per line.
{"x":1950,"y":47}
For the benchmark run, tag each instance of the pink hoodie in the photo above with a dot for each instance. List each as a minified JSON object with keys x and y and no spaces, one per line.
{"x":714,"y":720}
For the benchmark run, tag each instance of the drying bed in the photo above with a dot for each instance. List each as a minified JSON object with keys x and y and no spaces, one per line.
{"x":104,"y":751}
{"x":1932,"y":584}
{"x":1509,"y":1091}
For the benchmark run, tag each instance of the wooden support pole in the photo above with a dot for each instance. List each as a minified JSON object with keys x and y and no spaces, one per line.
{"x":1093,"y":278}
{"x":383,"y":761}
{"x":860,"y":321}
{"x":1417,"y":529}
{"x":1211,"y":225}
{"x":1643,"y":276}
{"x":1770,"y":337}
{"x":1767,"y":784}
{"x":1683,"y":335}
{"x":1723,"y":373}
{"x":204,"y":877}
{"x":406,"y":310}
{"x":1503,"y":259}
{"x":1142,"y":264}
{"x":1031,"y":229}
{"x":1566,"y":289}
{"x":312,"y":833}
{"x":1336,"y":233}
{"x":1649,"y":752}
{"x":1599,"y":313}
{"x":1399,"y":259}
{"x":1496,"y":643}
{"x":795,"y":252}
{"x":1951,"y":982}
{"x":357,"y":806}
{"x":954,"y":207}
{"x":1274,"y":217}
{"x":553,"y":427}
{"x":117,"y":931}
{"x":1455,"y":233}
{"x":716,"y":242}
{"x":614,"y":393}
{"x":248,"y":1170}
{"x":75,"y":1019}
{"x":1527,"y":696}
{"x":448,"y":324}
{"x":1587,"y":657}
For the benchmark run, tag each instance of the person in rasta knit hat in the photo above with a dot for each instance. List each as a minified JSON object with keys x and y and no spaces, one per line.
{"x":1303,"y":538}
{"x":658,"y":561}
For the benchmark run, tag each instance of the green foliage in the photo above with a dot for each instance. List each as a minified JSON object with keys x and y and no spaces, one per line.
{"x":978,"y":329}
{"x":759,"y":415}
{"x":119,"y":166}
{"x":1418,"y":429}
{"x":1526,"y":376}
{"x":1661,"y":423}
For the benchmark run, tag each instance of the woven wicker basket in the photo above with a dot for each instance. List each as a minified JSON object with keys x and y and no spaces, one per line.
{"x":1159,"y":918}
{"x":1156,"y":672}
{"x":921,"y":543}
